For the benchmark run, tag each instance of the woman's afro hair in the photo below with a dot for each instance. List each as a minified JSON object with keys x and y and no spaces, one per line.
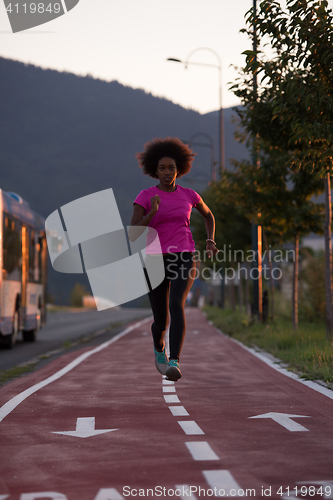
{"x":170,"y":147}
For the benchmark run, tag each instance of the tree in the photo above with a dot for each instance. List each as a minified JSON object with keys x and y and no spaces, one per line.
{"x":77,"y":294}
{"x":293,"y":106}
{"x":279,"y":200}
{"x":233,"y":230}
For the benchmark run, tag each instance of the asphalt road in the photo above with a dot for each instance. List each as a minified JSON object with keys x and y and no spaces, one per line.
{"x":64,"y":328}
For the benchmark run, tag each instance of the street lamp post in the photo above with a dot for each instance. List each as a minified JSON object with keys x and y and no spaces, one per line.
{"x":221,"y":118}
{"x":256,"y":229}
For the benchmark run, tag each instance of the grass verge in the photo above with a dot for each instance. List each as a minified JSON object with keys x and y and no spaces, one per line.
{"x":12,"y":373}
{"x":306,"y":351}
{"x":51,"y":308}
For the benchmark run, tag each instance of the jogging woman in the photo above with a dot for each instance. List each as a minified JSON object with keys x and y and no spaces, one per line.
{"x":167,"y":208}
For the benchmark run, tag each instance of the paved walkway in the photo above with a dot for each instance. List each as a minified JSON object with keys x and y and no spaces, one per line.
{"x":190,"y":439}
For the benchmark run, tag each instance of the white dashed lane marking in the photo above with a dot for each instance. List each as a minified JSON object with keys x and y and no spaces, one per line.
{"x":221,"y":480}
{"x":168,"y":382}
{"x":200,"y":450}
{"x":169,"y":389}
{"x":190,"y":427}
{"x":108,"y":494}
{"x":178,"y":411}
{"x":170,"y":398}
{"x":187,"y":492}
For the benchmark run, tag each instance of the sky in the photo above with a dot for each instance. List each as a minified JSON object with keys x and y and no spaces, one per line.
{"x":130,"y":40}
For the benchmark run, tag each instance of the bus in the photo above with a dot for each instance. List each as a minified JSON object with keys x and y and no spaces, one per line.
{"x":23,"y":270}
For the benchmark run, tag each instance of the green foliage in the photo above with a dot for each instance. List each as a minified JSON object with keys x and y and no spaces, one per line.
{"x":276,"y":198}
{"x":292,"y":107}
{"x":67,"y":344}
{"x":270,"y":195}
{"x":232,"y":223}
{"x":312,"y":290}
{"x":76,"y":295}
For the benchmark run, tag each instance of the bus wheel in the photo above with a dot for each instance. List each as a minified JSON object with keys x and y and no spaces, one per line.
{"x":8,"y":341}
{"x":31,"y":335}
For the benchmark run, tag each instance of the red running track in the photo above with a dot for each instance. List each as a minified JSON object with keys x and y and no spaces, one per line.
{"x":191,"y":439}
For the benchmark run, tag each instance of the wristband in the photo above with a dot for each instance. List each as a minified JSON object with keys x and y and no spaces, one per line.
{"x":211,"y":241}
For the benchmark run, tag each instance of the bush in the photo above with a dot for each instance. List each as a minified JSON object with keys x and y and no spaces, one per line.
{"x":77,"y":293}
{"x":312,"y":299}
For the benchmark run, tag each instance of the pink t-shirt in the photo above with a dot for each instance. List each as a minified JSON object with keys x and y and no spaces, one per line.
{"x":172,"y":220}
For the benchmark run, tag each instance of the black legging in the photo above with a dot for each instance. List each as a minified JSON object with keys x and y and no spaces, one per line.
{"x":171,"y":293}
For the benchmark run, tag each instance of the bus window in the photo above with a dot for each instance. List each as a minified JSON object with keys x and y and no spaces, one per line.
{"x":38,"y":261}
{"x":12,"y":251}
{"x":31,"y":255}
{"x":34,"y":257}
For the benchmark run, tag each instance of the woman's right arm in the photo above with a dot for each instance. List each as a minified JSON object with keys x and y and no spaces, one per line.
{"x":138,"y":218}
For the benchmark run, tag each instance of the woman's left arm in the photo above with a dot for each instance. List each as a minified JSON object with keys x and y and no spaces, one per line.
{"x":210,"y":227}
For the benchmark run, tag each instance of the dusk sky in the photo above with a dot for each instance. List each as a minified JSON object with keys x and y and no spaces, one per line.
{"x":130,"y":40}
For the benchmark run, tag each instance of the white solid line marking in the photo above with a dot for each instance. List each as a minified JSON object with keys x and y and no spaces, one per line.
{"x":185,"y":488}
{"x":109,"y":494}
{"x":190,"y":427}
{"x":168,"y":382}
{"x":169,"y":389}
{"x":178,"y":411}
{"x":45,"y":494}
{"x":200,"y":450}
{"x":16,"y":400}
{"x":171,"y":398}
{"x":221,"y":480}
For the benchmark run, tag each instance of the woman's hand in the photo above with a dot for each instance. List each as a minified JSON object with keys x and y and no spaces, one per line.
{"x":155,"y":201}
{"x":211,"y":249}
{"x":140,"y":219}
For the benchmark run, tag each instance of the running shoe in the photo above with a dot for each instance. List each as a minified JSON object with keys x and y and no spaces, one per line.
{"x":161,"y":361}
{"x":173,"y":372}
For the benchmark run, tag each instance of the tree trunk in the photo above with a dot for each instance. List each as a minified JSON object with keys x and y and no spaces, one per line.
{"x":328,"y":256}
{"x":247,"y":290}
{"x":222,"y":290}
{"x":232,"y":295}
{"x":295,"y":284}
{"x":241,"y":295}
{"x":271,"y":280}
